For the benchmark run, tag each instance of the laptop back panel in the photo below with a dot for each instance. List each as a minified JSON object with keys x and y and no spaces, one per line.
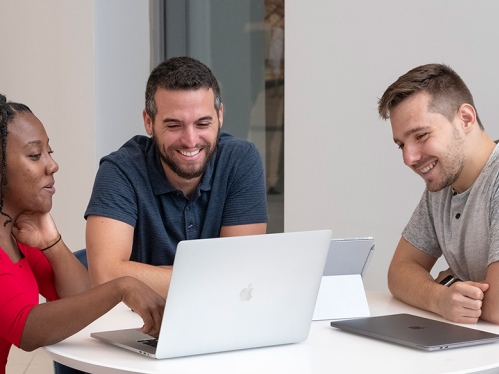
{"x":240,"y":292}
{"x":349,"y":256}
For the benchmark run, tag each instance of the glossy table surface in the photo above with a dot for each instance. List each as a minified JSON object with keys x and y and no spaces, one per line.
{"x":327,"y":350}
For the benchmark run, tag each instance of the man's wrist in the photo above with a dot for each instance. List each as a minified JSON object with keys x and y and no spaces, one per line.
{"x":449,"y":280}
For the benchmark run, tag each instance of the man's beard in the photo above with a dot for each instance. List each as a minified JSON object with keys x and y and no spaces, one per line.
{"x":454,"y":164}
{"x":194,"y":171}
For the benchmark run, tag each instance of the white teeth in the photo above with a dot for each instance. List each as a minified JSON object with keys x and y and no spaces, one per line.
{"x":428,"y":168}
{"x":190,"y":154}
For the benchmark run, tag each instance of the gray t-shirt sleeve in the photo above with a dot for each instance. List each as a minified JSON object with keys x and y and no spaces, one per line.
{"x":420,"y":230}
{"x":494,"y":224}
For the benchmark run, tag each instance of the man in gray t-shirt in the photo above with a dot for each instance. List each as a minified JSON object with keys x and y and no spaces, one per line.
{"x":435,"y":124}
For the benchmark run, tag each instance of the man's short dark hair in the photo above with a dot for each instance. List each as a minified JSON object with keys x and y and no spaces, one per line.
{"x":446,"y":89}
{"x":180,"y":73}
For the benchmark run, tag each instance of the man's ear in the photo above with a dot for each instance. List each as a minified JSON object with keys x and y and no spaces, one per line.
{"x":467,"y":116}
{"x":148,"y":122}
{"x":221,"y":115}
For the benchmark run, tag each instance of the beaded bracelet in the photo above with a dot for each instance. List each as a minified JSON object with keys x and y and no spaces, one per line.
{"x":50,"y":246}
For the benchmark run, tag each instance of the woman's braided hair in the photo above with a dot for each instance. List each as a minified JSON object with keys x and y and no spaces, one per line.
{"x":8,"y":111}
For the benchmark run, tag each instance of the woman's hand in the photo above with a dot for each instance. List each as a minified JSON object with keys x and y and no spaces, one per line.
{"x":34,"y":229}
{"x":144,"y":301}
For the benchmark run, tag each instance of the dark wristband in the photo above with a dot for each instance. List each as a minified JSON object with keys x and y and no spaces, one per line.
{"x":50,"y":246}
{"x":449,"y":280}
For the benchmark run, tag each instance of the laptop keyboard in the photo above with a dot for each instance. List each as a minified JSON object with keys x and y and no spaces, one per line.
{"x":151,"y":342}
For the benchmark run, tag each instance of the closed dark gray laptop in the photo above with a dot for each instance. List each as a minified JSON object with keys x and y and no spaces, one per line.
{"x":416,"y":332}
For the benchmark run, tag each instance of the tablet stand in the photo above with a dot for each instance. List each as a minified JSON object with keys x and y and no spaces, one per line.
{"x":341,"y":296}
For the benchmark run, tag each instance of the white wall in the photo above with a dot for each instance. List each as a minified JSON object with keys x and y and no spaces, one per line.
{"x":122,"y":55}
{"x":81,"y":66}
{"x":342,"y":169}
{"x":46,"y":62}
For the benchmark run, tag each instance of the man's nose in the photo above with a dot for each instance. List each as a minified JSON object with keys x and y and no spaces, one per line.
{"x":189,"y":137}
{"x":411,"y":154}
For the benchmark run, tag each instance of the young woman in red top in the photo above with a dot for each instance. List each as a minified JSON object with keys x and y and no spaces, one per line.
{"x":33,"y":257}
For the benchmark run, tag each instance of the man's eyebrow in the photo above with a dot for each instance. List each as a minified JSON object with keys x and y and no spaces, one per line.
{"x":175,"y":120}
{"x":412,"y":131}
{"x":170,"y":120}
{"x":205,"y":118}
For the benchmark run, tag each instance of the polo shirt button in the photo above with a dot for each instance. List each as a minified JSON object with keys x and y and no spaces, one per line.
{"x":190,"y":226}
{"x":458,"y":215}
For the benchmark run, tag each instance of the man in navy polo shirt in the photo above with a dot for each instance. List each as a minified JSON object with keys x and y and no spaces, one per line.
{"x":187,"y":180}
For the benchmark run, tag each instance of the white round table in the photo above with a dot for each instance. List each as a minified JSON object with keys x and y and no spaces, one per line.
{"x":327,"y":350}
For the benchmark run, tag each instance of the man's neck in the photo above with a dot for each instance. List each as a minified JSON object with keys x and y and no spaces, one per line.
{"x":477,"y":157}
{"x":187,"y":186}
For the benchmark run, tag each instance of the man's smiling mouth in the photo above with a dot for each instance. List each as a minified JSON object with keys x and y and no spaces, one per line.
{"x":428,"y":168}
{"x":190,"y":154}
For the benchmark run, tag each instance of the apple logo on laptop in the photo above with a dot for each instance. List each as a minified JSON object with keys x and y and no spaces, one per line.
{"x":416,"y":327}
{"x":245,"y":294}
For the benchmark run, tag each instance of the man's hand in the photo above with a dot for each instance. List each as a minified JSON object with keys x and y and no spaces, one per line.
{"x":409,"y":280}
{"x":462,"y":301}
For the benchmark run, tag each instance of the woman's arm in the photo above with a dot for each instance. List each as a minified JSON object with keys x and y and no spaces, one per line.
{"x":39,"y":231}
{"x":51,"y":322}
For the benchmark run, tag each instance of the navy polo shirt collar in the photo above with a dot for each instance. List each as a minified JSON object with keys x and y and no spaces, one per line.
{"x":157,"y":177}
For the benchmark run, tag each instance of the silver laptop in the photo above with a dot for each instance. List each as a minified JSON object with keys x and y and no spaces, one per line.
{"x":235,"y":293}
{"x":416,"y":332}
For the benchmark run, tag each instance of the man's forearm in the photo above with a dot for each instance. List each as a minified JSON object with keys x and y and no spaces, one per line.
{"x":461,"y":302}
{"x":490,"y":306}
{"x":156,"y":277}
{"x":414,"y":286}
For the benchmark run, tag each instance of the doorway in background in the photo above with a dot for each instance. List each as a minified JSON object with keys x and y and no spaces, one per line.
{"x":243,"y":44}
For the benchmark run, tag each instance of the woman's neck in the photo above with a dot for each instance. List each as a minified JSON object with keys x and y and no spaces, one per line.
{"x":8,"y":244}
